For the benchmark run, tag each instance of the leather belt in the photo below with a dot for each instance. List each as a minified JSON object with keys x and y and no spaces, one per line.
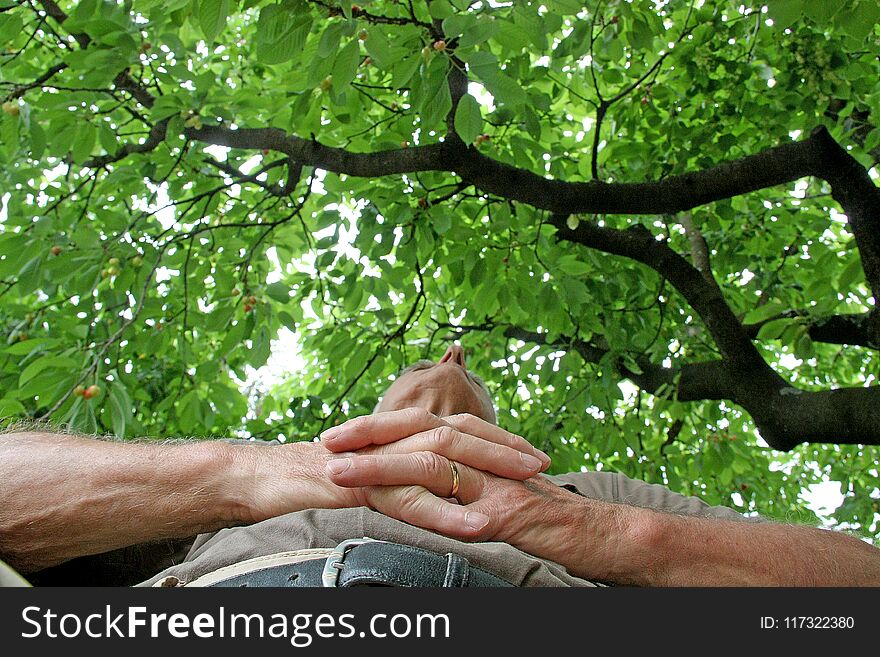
{"x":367,"y":562}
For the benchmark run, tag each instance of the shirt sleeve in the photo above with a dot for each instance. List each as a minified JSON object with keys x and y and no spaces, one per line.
{"x":615,"y":487}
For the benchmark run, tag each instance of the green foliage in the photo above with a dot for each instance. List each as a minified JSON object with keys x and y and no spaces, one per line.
{"x":177,"y":267}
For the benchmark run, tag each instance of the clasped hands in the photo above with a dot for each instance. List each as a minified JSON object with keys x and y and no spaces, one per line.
{"x":399,"y":463}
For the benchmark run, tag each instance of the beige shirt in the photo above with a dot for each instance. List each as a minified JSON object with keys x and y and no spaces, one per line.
{"x":326,"y":528}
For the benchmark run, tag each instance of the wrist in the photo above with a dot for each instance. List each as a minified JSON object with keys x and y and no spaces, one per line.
{"x":594,"y":539}
{"x":269,"y":481}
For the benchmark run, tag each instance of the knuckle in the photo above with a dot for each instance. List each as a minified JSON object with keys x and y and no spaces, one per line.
{"x":465,"y":421}
{"x":409,"y":500}
{"x":428,"y":463}
{"x":443,"y":438}
{"x":417,"y":415}
{"x":359,"y":423}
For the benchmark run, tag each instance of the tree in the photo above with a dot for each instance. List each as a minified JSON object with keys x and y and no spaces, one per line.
{"x":654,"y":226}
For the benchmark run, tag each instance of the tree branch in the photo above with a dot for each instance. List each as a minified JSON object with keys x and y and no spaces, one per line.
{"x":699,"y":248}
{"x":857,"y":330}
{"x":853,"y":189}
{"x":637,"y":243}
{"x":786,"y":418}
{"x":775,"y":166}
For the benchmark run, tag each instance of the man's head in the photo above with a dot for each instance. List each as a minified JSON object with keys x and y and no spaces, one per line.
{"x":443,"y":388}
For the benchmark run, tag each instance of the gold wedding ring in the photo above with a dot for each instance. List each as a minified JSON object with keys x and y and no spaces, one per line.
{"x":455,"y":479}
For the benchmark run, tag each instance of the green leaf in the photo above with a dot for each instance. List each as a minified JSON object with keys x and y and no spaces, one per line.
{"x":279,"y":292}
{"x":29,"y":346}
{"x":468,"y":119}
{"x":379,"y":49}
{"x":233,"y":338}
{"x":572,"y":266}
{"x":850,"y":274}
{"x":120,"y":408}
{"x":165,"y":106}
{"x":483,"y":30}
{"x":212,"y":17}
{"x":38,"y":140}
{"x":764,"y":312}
{"x":10,"y":408}
{"x":456,"y":24}
{"x":505,"y":89}
{"x":44,"y":363}
{"x":436,"y":99}
{"x":774,"y":329}
{"x":532,"y":123}
{"x":346,"y":64}
{"x":859,"y":20}
{"x":81,"y":417}
{"x":329,"y":42}
{"x":785,"y":12}
{"x":403,"y":70}
{"x":441,"y":222}
{"x":83,"y":143}
{"x":189,"y":412}
{"x":10,"y":27}
{"x":281,"y":32}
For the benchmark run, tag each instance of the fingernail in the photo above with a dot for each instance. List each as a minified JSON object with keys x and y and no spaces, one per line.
{"x":476,"y":520}
{"x":530,"y":461}
{"x":331,"y":433}
{"x":336,"y":466}
{"x":543,"y":457}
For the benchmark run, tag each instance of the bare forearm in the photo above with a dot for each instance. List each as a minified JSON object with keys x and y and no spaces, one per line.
{"x":65,"y":496}
{"x":647,"y":548}
{"x":706,"y":552}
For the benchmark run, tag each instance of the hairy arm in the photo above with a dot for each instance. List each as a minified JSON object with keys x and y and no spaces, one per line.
{"x":599,"y":540}
{"x":67,"y":496}
{"x":629,"y":545}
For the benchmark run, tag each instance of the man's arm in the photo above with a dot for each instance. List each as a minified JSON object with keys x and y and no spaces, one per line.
{"x":599,"y":540}
{"x":628,"y":545}
{"x":67,"y":496}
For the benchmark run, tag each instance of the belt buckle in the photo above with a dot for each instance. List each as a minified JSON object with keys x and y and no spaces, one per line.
{"x":333,"y":564}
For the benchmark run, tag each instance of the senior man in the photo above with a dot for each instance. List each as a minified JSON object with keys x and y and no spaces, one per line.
{"x":427,"y":491}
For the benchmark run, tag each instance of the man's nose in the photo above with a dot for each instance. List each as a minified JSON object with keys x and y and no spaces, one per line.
{"x":454,"y":354}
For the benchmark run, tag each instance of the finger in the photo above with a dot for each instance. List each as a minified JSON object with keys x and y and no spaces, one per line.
{"x":477,"y":426}
{"x":379,"y":429}
{"x":447,"y":441}
{"x":393,"y":426}
{"x":425,"y":469}
{"x":418,"y":506}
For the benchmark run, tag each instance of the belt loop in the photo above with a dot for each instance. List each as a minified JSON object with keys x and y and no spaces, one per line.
{"x":458,"y":571}
{"x":334,"y":563}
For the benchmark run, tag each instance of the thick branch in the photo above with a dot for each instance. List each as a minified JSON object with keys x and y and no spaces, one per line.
{"x":637,"y":243}
{"x":858,"y":330}
{"x":852,"y":187}
{"x":699,"y":247}
{"x":785,"y":417}
{"x":337,"y":160}
{"x":775,"y":166}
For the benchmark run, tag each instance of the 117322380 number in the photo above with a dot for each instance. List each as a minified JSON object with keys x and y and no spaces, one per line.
{"x":818,"y":622}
